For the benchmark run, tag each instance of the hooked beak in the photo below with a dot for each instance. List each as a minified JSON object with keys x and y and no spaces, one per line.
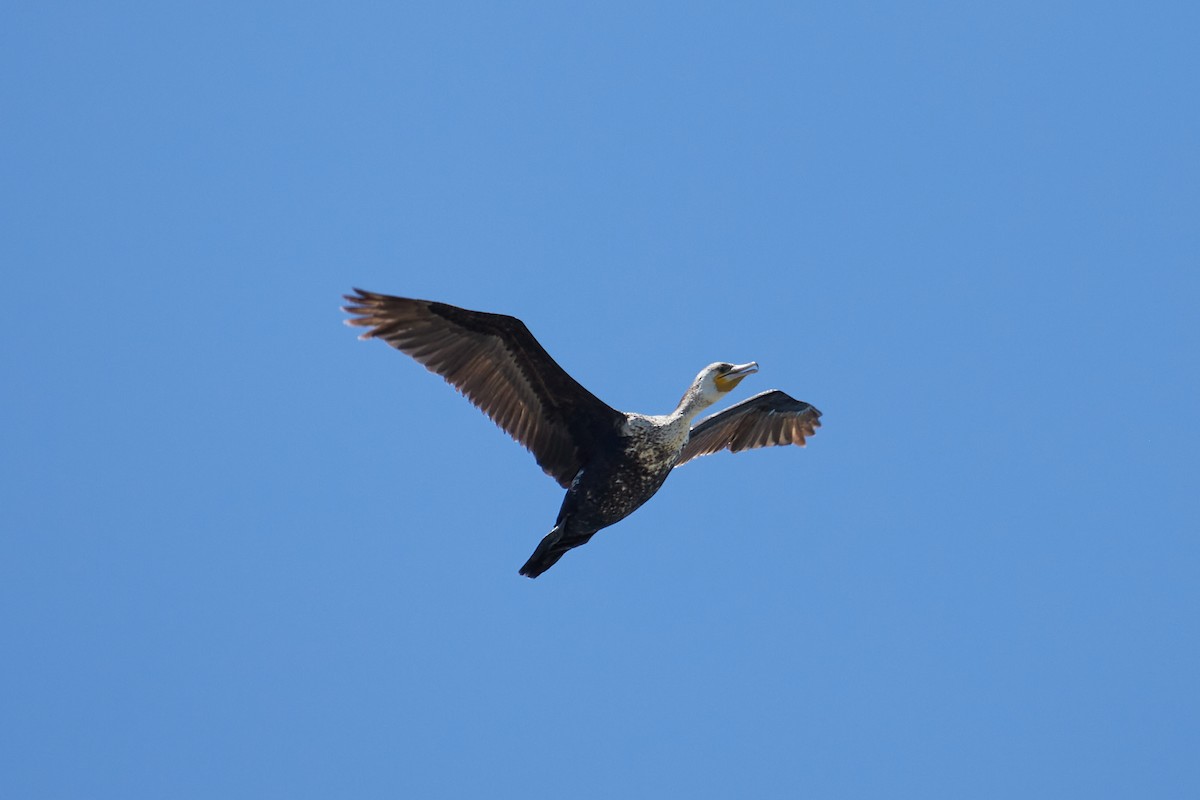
{"x":732,"y":378}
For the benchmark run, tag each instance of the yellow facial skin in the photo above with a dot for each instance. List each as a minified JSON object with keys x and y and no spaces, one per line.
{"x":734,"y":376}
{"x":726,"y":383}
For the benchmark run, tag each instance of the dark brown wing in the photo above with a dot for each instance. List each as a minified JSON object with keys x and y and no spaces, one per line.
{"x":770,"y":418}
{"x":496,"y":363}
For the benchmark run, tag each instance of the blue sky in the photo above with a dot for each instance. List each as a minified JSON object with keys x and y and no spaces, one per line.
{"x":246,"y":555}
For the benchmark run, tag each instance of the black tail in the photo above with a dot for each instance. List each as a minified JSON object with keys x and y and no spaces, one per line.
{"x":551,"y":549}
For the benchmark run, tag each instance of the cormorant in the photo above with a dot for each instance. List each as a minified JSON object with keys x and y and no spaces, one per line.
{"x":609,"y":462}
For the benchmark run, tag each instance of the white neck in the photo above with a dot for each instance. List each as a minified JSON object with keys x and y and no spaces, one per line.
{"x":693,"y":402}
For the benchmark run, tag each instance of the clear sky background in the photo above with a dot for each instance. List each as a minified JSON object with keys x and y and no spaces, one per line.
{"x":247,"y":555}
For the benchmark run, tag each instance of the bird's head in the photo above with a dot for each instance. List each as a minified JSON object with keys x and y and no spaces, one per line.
{"x":716,"y":380}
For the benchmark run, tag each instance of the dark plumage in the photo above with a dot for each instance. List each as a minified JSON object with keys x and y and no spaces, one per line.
{"x":769,"y":418}
{"x":610,"y":462}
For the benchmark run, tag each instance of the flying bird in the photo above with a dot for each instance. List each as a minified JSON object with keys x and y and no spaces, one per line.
{"x":610,"y":462}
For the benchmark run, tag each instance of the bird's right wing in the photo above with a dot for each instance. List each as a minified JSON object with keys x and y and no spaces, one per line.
{"x":769,"y":418}
{"x":496,"y":363}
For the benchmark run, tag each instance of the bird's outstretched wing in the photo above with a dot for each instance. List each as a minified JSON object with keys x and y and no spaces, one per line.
{"x":496,"y":363}
{"x":767,"y":419}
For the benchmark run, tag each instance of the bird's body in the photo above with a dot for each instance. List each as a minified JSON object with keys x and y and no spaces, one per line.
{"x":614,"y":484}
{"x":609,"y":462}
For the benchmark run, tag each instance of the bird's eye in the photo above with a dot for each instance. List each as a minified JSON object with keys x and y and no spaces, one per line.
{"x":723,"y":368}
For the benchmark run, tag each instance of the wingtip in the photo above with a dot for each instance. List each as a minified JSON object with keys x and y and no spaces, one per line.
{"x":363,"y":312}
{"x":358,"y":322}
{"x":360,"y":296}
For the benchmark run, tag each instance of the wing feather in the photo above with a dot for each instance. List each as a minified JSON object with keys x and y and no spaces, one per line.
{"x":497,"y":364}
{"x":769,"y":419}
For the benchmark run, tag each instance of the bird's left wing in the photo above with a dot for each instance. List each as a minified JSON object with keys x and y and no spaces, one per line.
{"x":767,"y":419}
{"x":496,"y":362}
